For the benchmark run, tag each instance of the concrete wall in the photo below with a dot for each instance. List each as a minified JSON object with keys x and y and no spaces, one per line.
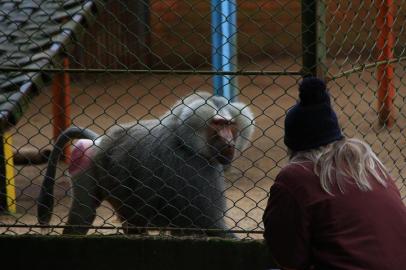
{"x":120,"y":252}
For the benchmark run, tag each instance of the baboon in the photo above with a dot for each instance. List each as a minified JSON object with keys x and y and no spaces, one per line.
{"x":166,"y":172}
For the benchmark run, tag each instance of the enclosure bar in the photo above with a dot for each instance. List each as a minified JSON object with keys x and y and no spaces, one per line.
{"x":385,"y":72}
{"x":117,"y":228}
{"x":363,"y":67}
{"x":61,"y":105}
{"x":224,"y":20}
{"x":216,"y":43}
{"x":321,"y":39}
{"x":234,"y":48}
{"x":313,"y":38}
{"x":9,"y":166}
{"x":7,"y":185}
{"x":143,"y":9}
{"x":157,"y":71}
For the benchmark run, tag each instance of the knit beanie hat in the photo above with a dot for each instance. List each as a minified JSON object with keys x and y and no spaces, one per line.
{"x":312,"y":122}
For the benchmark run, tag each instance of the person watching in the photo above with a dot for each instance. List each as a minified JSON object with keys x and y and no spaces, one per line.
{"x":334,"y":205}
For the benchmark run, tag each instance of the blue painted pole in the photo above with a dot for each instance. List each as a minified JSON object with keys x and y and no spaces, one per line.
{"x":224,"y":46}
{"x":216,"y":44}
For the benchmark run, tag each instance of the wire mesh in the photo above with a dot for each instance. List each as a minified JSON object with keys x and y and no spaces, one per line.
{"x":132,"y":60}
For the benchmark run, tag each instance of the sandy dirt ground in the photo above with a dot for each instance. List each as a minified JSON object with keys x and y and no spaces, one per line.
{"x":100,"y":101}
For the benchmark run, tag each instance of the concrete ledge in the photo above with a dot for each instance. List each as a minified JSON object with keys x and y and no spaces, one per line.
{"x":132,"y":252}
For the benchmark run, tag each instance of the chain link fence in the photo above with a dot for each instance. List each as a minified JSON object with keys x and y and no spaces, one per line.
{"x":96,"y":64}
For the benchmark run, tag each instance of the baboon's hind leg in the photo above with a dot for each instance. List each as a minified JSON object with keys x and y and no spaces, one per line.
{"x":85,"y":201}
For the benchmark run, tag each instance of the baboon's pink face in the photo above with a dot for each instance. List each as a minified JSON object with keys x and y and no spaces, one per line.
{"x":222,"y":134}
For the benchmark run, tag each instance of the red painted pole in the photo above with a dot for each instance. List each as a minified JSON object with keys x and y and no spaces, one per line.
{"x":61,"y":104}
{"x":385,"y":72}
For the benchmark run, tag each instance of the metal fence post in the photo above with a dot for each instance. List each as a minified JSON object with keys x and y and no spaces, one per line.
{"x":224,"y":46}
{"x":3,"y":179}
{"x":314,"y":38}
{"x":142,"y":29}
{"x":61,"y":104}
{"x":7,"y":185}
{"x":385,"y":72}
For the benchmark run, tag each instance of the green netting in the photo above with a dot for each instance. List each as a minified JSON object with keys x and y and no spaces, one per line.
{"x":132,"y":60}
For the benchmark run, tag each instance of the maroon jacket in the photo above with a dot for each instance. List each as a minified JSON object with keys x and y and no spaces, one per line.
{"x":306,"y":227}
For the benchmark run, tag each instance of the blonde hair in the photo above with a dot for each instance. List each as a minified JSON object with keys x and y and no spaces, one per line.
{"x":346,"y":160}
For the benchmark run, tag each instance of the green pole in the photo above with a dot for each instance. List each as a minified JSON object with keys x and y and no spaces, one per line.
{"x":321,"y":39}
{"x":314,"y":38}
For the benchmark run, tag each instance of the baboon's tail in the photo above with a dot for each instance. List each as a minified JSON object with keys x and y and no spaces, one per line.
{"x":46,"y":197}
